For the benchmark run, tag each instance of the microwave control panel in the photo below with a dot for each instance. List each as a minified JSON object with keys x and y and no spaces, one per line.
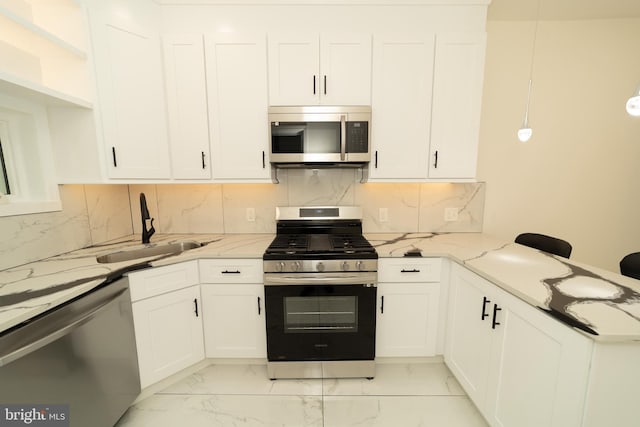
{"x":357,"y":137}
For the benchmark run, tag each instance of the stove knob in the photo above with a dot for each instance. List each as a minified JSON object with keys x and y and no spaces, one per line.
{"x":280,"y":266}
{"x":345,"y":266}
{"x":359,"y":265}
{"x":320,"y":266}
{"x":296,"y":266}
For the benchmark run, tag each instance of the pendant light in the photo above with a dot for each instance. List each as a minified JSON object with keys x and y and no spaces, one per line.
{"x":525,"y":132}
{"x":633,"y":104}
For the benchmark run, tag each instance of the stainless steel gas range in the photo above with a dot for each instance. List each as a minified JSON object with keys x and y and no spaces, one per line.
{"x":320,"y":276}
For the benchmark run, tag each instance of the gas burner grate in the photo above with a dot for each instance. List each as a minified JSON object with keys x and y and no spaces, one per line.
{"x":289,"y":243}
{"x":352,"y":243}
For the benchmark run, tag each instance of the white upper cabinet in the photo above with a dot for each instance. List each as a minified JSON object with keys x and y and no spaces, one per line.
{"x":187,"y":106}
{"x":129,"y":77}
{"x":236,"y":67}
{"x":401,"y":106}
{"x":457,"y":99}
{"x":345,"y":69}
{"x":426,"y":100}
{"x":330,"y":69}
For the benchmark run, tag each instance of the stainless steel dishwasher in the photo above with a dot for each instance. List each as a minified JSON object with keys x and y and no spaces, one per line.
{"x":82,"y":354}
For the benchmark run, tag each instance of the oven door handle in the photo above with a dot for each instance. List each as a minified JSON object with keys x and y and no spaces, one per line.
{"x":279,"y":279}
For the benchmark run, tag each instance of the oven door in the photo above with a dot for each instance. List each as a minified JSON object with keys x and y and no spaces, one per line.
{"x":315,"y":322}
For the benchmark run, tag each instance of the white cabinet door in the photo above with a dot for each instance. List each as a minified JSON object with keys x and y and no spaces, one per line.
{"x":294,"y":62}
{"x":234,"y":320}
{"x":131,"y":97}
{"x":406,"y":319}
{"x":540,"y":375}
{"x":330,"y":69}
{"x":518,"y":365}
{"x":237,"y":88}
{"x":457,"y":99}
{"x":168,"y":333}
{"x":345,"y":69}
{"x":469,"y":334}
{"x":187,"y":106}
{"x":401,"y":106}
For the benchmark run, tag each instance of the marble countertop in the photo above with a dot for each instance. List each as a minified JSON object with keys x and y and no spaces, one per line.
{"x":602,"y":304}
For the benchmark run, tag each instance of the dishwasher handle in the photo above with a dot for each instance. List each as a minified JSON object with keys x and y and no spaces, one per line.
{"x":48,"y":337}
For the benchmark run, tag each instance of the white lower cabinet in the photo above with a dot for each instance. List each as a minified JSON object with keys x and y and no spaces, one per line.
{"x":407,"y":308}
{"x":234,"y":324}
{"x":518,"y":365}
{"x":233,"y":303}
{"x":167,"y":320}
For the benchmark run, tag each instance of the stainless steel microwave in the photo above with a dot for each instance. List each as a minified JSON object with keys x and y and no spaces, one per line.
{"x":318,"y":135}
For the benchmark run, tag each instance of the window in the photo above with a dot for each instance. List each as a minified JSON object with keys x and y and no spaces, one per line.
{"x":27,"y":175}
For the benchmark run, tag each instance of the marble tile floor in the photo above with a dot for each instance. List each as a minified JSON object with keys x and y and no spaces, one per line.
{"x":401,"y":395}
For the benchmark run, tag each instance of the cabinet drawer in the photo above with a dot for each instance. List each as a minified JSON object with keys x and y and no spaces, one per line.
{"x":230,"y":271}
{"x":159,"y":280}
{"x":409,"y":269}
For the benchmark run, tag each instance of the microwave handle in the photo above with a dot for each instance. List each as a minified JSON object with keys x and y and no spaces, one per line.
{"x":343,"y":137}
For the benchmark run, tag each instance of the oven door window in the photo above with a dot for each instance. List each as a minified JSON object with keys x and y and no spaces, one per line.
{"x":308,"y":138}
{"x":321,"y":314}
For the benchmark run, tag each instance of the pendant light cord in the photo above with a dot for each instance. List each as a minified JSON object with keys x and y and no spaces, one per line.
{"x":525,"y":131}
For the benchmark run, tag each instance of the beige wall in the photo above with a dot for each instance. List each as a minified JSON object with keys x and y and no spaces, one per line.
{"x":579,"y":176}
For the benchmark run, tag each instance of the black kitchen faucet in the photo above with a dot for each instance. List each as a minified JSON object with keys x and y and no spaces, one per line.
{"x":144,"y":212}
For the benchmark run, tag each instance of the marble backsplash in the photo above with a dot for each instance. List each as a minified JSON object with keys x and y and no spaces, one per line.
{"x":222,"y":208}
{"x":93,"y":214}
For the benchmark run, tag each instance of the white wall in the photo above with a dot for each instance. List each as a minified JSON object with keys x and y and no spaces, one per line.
{"x":578,"y":177}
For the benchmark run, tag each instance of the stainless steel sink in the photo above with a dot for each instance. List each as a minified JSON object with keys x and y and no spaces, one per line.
{"x":159,"y":249}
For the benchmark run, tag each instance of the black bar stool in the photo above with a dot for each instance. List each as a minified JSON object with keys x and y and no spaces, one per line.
{"x":630,"y":265}
{"x":549,"y":244}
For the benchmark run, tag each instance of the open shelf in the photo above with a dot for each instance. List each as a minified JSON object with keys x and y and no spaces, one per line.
{"x":22,"y":88}
{"x":42,"y":33}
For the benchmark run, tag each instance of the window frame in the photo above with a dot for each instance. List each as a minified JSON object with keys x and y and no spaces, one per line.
{"x":28,"y":159}
{"x":6,"y":184}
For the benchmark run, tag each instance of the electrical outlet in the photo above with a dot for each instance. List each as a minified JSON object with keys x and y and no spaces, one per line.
{"x":251,"y":214}
{"x":451,"y":214}
{"x":383,"y":214}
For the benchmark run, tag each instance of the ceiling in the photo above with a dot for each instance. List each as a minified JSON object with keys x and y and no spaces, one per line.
{"x":500,"y":10}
